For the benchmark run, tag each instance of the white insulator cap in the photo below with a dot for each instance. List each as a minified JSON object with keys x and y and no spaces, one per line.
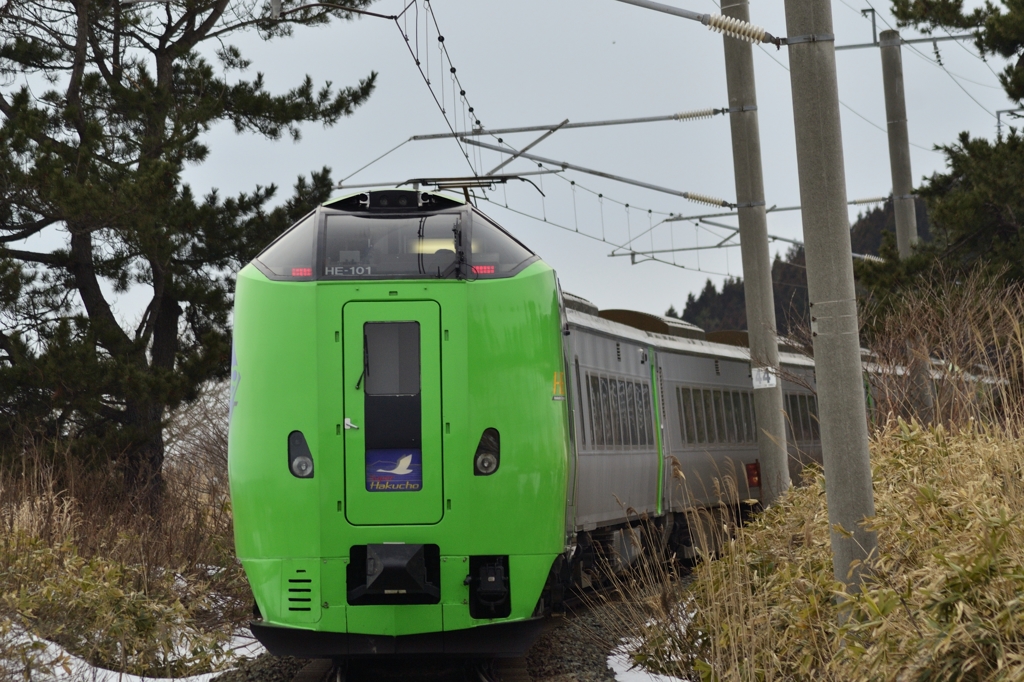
{"x":692,"y":115}
{"x":734,"y":28}
{"x":705,"y":199}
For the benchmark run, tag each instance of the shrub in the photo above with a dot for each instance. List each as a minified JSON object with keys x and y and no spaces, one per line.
{"x":942,"y":599}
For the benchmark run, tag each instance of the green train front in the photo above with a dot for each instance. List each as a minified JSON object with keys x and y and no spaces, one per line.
{"x":399,"y":439}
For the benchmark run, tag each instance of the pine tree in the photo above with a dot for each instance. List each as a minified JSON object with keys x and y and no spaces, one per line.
{"x":104,"y":103}
{"x":998,"y":31}
{"x":975,"y":206}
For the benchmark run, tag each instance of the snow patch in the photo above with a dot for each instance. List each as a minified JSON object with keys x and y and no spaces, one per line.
{"x":65,"y":666}
{"x":624,"y":670}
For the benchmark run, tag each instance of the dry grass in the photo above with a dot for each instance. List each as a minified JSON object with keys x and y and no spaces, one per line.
{"x":942,"y":597}
{"x":126,"y":589}
{"x":942,"y":601}
{"x":969,"y":333}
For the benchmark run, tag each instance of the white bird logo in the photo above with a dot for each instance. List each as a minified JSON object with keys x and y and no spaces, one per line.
{"x":401,"y":468}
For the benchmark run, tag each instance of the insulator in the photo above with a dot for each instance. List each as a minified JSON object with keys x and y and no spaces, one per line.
{"x":705,"y":199}
{"x":735,"y":28}
{"x":693,"y":115}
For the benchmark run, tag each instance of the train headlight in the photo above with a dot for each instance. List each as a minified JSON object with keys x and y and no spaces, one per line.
{"x":486,"y":464}
{"x":302,"y":467}
{"x":488,"y":453}
{"x":300,"y":459}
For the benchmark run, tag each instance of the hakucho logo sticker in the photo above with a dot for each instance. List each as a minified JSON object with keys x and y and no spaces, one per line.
{"x":389,"y":471}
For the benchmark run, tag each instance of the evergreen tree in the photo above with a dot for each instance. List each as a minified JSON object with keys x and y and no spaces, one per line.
{"x":975,"y":206}
{"x":975,"y":210}
{"x":726,"y":310}
{"x":998,"y":30}
{"x":715,"y":311}
{"x":104,"y":103}
{"x":789,"y":285}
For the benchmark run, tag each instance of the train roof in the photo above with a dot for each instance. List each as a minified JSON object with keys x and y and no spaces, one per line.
{"x":612,"y":326}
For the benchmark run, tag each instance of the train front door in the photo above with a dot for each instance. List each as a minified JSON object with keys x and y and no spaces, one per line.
{"x":392,"y":413}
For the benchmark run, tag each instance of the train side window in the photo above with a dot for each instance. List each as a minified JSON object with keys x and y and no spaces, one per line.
{"x":596,"y":422}
{"x":623,"y":414}
{"x":730,"y":417}
{"x":709,"y":416}
{"x":812,"y":405}
{"x":648,"y":415}
{"x":641,"y":421}
{"x":787,"y":407}
{"x":606,"y":410}
{"x":748,"y":418}
{"x":801,"y":409}
{"x":613,"y":405}
{"x":579,"y":404}
{"x":793,"y":410}
{"x":626,"y":387}
{"x":737,"y":410}
{"x":685,"y":404}
{"x":638,"y":400}
{"x":715,"y":425}
{"x":753,"y":424}
{"x":805,"y":418}
{"x":720,"y":418}
{"x":698,"y":416}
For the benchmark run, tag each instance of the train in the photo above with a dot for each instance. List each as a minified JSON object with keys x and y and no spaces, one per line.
{"x":430,"y":443}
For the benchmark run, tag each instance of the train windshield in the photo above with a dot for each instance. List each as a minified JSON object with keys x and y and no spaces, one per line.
{"x":496,"y":253}
{"x":291,"y":254}
{"x":451,"y":245}
{"x":364,"y":246}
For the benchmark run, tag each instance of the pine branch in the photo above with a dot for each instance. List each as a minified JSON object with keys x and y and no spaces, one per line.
{"x":27,"y":231}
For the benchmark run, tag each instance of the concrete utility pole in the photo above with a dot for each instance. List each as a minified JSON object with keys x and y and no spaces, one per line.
{"x":757,"y":265}
{"x":922,"y":400}
{"x":899,"y":143}
{"x":834,"y":325}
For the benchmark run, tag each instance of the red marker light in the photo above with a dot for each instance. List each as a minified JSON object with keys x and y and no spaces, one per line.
{"x":302,"y":272}
{"x":754,"y":474}
{"x":483,"y":269}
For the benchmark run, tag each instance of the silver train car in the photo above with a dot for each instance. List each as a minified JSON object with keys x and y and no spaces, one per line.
{"x":636,"y":379}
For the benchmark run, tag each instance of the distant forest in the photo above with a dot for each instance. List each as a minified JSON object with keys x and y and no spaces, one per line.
{"x":715,"y":310}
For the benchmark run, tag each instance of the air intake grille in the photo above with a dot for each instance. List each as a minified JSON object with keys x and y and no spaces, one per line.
{"x":300,"y":591}
{"x":300,"y":600}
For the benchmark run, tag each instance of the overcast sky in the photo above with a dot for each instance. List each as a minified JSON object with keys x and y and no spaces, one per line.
{"x":533,"y":62}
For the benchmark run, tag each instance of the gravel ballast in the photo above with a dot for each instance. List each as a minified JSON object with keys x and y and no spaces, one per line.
{"x":573,"y":648}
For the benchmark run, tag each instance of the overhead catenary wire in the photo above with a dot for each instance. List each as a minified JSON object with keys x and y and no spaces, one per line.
{"x":362,"y":168}
{"x":939,"y":63}
{"x":954,"y":79}
{"x":590,"y":171}
{"x":478,"y":132}
{"x":852,"y":110}
{"x":598,"y":239}
{"x":277,"y":13}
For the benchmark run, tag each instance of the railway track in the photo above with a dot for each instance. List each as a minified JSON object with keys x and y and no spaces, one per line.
{"x":569,"y":645}
{"x":432,"y":670}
